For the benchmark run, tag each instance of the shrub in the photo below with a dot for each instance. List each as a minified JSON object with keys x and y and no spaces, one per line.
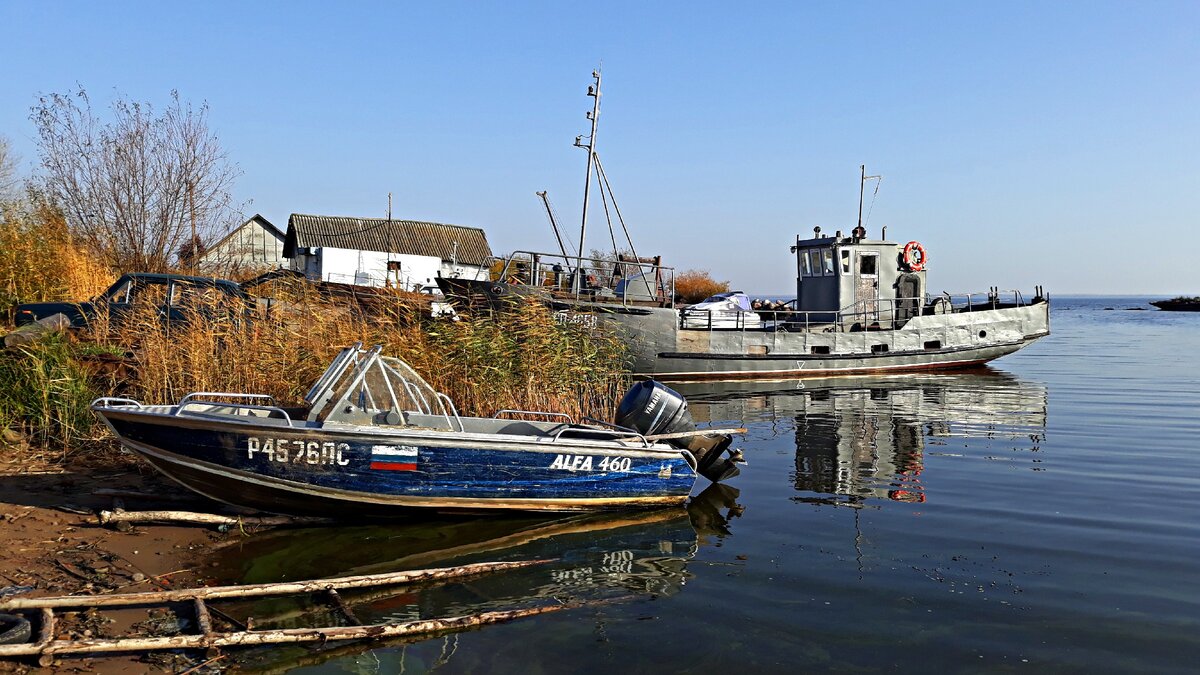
{"x":692,"y":286}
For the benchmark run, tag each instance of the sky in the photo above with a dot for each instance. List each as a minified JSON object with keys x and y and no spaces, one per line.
{"x":1021,"y":143}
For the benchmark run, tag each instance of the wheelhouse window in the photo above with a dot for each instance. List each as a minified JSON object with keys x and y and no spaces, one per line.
{"x":805,"y":265}
{"x":868,"y":264}
{"x":827,"y":261}
{"x":845,"y":261}
{"x":815,"y":262}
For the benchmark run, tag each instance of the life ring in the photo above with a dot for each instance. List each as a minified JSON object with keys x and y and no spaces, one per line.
{"x":915,"y":257}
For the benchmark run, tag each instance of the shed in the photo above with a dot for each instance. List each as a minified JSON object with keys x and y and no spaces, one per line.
{"x":408,"y":254}
{"x":255,"y":244}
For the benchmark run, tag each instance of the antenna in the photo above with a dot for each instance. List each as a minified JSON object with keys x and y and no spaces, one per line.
{"x":861,"y":183}
{"x":389,"y":207}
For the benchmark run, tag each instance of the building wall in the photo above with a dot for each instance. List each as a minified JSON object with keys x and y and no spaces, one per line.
{"x":250,"y":246}
{"x":370,"y":268}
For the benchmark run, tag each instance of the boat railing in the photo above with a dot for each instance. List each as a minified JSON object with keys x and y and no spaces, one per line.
{"x":269,"y":409}
{"x":877,"y":314}
{"x":115,"y":402}
{"x":223,"y":394}
{"x":990,"y":299}
{"x":448,"y":409}
{"x":631,"y":435}
{"x":592,"y":279}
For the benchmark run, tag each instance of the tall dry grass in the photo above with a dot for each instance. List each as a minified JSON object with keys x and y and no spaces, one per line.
{"x":40,"y":261}
{"x":521,"y":359}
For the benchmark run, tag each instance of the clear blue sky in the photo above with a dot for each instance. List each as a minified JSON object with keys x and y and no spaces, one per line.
{"x":1022,"y":143}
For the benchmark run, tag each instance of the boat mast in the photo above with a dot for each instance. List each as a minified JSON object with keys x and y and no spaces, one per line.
{"x":594,"y":92}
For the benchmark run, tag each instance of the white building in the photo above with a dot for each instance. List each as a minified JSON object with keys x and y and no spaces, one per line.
{"x":405,"y":254}
{"x":254,"y":245}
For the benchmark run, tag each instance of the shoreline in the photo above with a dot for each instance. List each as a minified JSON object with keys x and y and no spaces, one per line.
{"x":51,"y":543}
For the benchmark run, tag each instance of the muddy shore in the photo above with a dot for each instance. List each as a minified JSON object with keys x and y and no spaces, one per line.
{"x":52,"y":544}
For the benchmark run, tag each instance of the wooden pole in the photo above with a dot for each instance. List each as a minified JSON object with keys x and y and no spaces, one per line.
{"x":120,"y":516}
{"x":259,"y":590}
{"x":282,"y":636}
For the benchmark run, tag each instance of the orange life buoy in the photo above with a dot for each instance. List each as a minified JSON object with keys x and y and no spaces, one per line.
{"x":915,"y":257}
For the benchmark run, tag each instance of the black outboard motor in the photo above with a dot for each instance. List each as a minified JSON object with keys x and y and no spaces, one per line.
{"x":652,"y":408}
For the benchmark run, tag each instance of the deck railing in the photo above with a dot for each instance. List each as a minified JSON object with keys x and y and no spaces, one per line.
{"x":592,"y":279}
{"x":879,"y":314}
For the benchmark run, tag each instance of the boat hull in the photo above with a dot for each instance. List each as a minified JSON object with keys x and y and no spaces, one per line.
{"x":339,"y":473}
{"x":661,"y":349}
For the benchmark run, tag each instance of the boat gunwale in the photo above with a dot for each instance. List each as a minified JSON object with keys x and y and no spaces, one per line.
{"x":441,"y":438}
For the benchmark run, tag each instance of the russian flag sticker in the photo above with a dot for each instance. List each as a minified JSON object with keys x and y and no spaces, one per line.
{"x":393,"y":458}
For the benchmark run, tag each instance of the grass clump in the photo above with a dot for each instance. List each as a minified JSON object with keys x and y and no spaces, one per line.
{"x":44,"y":395}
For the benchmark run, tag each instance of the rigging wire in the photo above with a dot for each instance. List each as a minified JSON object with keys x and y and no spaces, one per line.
{"x":607,"y":216}
{"x":604,"y":177}
{"x":878,"y":180}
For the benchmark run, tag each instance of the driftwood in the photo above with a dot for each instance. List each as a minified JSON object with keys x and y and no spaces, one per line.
{"x":46,"y":647}
{"x":122,"y":516}
{"x":697,"y":432}
{"x":291,"y":635}
{"x":259,"y":590}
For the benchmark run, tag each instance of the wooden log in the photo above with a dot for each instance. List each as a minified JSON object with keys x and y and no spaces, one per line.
{"x":697,"y":432}
{"x":343,"y":607}
{"x":203,"y":619}
{"x":118,"y":516}
{"x":295,"y":635}
{"x":282,"y":636}
{"x":260,"y":590}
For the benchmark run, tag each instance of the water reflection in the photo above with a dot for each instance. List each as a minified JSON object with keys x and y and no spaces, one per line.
{"x":868,"y":437}
{"x":594,"y":558}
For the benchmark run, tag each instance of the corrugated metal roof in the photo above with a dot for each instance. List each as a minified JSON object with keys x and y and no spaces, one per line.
{"x":412,"y":237}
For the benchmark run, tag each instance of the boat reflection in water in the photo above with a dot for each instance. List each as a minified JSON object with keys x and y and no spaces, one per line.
{"x":868,"y":437}
{"x":594,"y":558}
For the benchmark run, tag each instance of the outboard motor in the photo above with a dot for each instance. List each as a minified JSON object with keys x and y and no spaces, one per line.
{"x":652,"y":408}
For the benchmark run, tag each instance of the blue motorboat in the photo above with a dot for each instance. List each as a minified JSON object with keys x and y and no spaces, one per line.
{"x":374,"y":439}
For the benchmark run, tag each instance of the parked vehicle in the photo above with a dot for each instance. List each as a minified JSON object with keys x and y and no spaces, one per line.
{"x":172,"y":295}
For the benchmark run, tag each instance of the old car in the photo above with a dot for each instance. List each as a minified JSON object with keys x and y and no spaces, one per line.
{"x":172,"y":295}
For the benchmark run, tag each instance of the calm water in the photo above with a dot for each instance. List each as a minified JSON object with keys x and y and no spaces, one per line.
{"x":1040,"y":514}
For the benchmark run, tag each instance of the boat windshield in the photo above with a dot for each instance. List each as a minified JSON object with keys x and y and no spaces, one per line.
{"x":362,"y":383}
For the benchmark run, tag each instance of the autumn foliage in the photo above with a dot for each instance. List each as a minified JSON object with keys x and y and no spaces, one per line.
{"x":692,"y":286}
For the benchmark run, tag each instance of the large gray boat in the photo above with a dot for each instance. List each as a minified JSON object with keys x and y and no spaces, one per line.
{"x":861,"y":305}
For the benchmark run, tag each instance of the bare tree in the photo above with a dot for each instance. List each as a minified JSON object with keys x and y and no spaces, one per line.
{"x":139,"y":186}
{"x":9,"y":180}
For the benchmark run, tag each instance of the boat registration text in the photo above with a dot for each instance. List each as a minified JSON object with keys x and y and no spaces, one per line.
{"x":297,"y":452}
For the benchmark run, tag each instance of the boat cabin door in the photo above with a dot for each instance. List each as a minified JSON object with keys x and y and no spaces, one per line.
{"x":866,"y":286}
